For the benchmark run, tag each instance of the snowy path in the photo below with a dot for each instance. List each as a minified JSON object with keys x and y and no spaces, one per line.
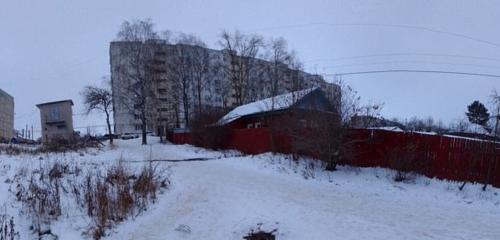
{"x":223,"y":200}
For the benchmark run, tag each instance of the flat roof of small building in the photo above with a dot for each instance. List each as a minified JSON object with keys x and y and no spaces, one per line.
{"x":2,"y":92}
{"x":56,"y":102}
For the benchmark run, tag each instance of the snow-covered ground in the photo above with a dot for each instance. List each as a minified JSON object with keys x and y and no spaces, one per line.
{"x":227,"y":195}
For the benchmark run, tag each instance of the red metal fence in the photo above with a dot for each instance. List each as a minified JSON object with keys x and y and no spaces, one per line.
{"x":258,"y":140}
{"x":179,"y":137}
{"x":444,"y":157}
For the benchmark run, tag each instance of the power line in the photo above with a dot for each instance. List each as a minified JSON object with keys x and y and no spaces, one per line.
{"x":414,"y":71}
{"x":400,"y":26}
{"x":414,"y":62}
{"x":404,"y":54}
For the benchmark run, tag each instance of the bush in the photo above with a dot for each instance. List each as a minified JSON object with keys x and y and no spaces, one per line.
{"x":59,"y":146}
{"x":318,"y":134}
{"x":118,"y":195}
{"x":214,"y":137}
{"x":205,"y":134}
{"x":7,"y":228}
{"x":106,"y":197}
{"x":63,"y":145}
{"x":41,"y":201}
{"x":10,"y":150}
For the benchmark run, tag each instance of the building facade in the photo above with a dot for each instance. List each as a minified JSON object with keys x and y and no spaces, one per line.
{"x":6,"y":116}
{"x":181,"y":79}
{"x":56,"y":121}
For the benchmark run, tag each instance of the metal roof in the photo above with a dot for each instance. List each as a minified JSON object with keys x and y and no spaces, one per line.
{"x":56,"y":102}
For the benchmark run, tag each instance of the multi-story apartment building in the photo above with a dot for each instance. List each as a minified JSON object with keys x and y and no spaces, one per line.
{"x":6,"y":116}
{"x":56,"y":121}
{"x":147,"y":64}
{"x":181,"y":78}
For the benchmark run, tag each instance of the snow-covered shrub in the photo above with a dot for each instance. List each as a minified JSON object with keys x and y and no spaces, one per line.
{"x":41,"y":200}
{"x":119,"y":194}
{"x":106,"y":194}
{"x":52,"y":147}
{"x":15,"y":150}
{"x":63,"y":145}
{"x":7,"y":227}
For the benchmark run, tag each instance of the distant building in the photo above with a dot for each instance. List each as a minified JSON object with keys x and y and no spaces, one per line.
{"x":364,"y":121}
{"x":6,"y":116}
{"x":56,"y":121}
{"x":167,"y":109}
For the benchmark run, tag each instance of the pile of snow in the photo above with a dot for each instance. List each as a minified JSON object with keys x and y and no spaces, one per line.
{"x":279,"y":102}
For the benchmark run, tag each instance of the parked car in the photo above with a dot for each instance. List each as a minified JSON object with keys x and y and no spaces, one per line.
{"x":115,"y":136}
{"x":127,"y":136}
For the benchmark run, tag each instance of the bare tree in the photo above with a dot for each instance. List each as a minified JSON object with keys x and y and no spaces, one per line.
{"x":99,"y":99}
{"x":460,"y":126}
{"x":137,"y":31}
{"x":139,"y":51}
{"x":318,"y":134}
{"x":220,"y":87}
{"x":495,"y":99}
{"x":341,"y":146}
{"x":326,"y":134}
{"x":278,"y":55}
{"x":180,"y":75}
{"x":295,"y":74}
{"x":198,"y":60}
{"x":241,"y":52}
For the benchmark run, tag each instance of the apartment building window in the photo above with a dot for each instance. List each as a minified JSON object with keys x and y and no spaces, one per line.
{"x":55,"y":114}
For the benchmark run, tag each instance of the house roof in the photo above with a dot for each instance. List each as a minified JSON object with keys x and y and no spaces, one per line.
{"x":56,"y":102}
{"x":387,"y":128}
{"x":3,"y":93}
{"x":279,"y":102}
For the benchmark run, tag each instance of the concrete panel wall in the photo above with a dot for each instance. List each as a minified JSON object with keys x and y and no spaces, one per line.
{"x":6,"y":115}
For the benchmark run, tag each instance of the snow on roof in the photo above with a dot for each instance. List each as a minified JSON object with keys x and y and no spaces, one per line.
{"x":280,"y":102}
{"x":389,"y":128}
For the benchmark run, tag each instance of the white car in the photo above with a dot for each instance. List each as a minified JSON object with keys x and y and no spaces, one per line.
{"x":127,"y":136}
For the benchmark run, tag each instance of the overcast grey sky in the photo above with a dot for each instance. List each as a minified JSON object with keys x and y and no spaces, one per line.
{"x":49,"y":50}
